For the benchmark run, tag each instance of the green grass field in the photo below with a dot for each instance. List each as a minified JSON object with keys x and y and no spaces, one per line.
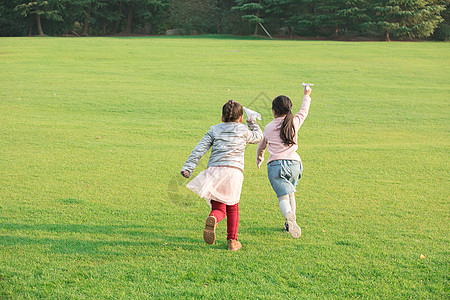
{"x":94,"y":132}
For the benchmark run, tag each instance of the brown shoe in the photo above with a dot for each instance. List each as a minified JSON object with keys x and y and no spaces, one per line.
{"x":209,"y":234}
{"x":234,"y":245}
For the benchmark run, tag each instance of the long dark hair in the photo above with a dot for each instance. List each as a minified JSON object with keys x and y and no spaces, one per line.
{"x":282,"y":105}
{"x":232,"y":111}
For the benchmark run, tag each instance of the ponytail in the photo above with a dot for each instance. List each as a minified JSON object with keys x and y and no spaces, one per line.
{"x":282,"y":105}
{"x":287,"y":130}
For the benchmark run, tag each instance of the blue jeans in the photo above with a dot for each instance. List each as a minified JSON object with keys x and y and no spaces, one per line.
{"x":284,"y":175}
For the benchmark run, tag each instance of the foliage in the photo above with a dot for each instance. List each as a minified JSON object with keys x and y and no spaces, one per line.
{"x":10,"y":21}
{"x":442,"y":32}
{"x":41,"y":10}
{"x":405,"y":19}
{"x":195,"y":15}
{"x":398,"y":19}
{"x":251,"y":10}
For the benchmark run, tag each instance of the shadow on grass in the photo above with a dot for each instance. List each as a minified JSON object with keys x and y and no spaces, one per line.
{"x":265,"y":229}
{"x":90,"y":239}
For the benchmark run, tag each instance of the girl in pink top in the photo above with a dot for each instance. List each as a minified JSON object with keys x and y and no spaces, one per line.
{"x":284,"y":167}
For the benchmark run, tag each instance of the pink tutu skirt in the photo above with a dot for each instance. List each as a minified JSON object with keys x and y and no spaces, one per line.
{"x":222,"y":184}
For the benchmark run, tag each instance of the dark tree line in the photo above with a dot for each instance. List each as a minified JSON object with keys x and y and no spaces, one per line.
{"x":399,"y":19}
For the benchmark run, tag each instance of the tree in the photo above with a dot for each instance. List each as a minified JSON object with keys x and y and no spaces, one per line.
{"x":41,"y":8}
{"x":10,"y":20}
{"x":442,"y":32}
{"x":136,"y":10}
{"x":353,"y":15}
{"x":195,"y":15}
{"x":327,"y":14}
{"x":327,"y":17}
{"x":338,"y":15}
{"x":277,"y":14}
{"x":405,"y":18}
{"x":86,"y":10}
{"x":252,"y":11}
{"x":301,"y":16}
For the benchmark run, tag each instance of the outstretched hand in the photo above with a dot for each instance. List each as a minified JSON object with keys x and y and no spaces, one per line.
{"x":258,"y":163}
{"x":307,"y":90}
{"x":185,"y":174}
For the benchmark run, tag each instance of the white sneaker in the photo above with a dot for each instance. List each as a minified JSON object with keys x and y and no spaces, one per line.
{"x":294,"y":229}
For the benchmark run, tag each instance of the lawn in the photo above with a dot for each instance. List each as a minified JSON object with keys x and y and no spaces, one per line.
{"x":94,"y":132}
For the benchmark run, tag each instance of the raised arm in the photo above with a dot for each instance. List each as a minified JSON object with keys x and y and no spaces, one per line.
{"x":199,"y":150}
{"x":300,"y":117}
{"x":255,"y":133}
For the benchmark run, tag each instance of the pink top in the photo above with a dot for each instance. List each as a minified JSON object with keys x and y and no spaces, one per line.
{"x":272,"y":139}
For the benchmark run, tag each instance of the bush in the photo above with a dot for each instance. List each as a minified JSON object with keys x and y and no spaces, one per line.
{"x":442,"y":32}
{"x":11,"y":28}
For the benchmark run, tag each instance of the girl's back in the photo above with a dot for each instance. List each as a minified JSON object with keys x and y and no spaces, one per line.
{"x":221,"y":183}
{"x":277,"y":147}
{"x":229,"y":140}
{"x":284,"y":166}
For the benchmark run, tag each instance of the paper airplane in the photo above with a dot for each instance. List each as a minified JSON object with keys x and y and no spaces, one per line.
{"x":306,"y":85}
{"x":251,"y":114}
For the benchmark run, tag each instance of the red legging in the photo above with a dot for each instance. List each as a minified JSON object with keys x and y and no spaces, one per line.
{"x":220,"y":210}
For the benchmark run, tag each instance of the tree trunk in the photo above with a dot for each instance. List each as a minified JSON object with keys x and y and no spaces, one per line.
{"x":30,"y":30}
{"x":86,"y":20}
{"x":387,"y":37}
{"x":117,"y":24}
{"x":257,"y":15}
{"x":257,"y":23}
{"x":129,"y":19}
{"x":38,"y":21}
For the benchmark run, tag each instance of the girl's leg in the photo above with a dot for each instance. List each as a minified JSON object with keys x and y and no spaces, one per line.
{"x":289,"y":213}
{"x":232,"y":227}
{"x":232,"y":221}
{"x":218,"y":210}
{"x":292,"y":202}
{"x":285,"y":205}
